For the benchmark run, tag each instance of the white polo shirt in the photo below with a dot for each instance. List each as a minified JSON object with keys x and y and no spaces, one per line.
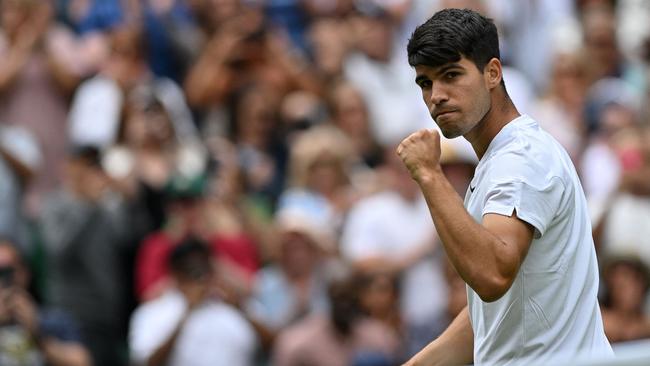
{"x":551,"y":309}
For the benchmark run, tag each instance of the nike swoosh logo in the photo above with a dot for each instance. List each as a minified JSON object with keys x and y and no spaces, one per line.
{"x":471,"y":189}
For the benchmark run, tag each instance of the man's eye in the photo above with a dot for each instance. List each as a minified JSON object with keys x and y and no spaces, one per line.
{"x":425,"y":84}
{"x":451,"y":75}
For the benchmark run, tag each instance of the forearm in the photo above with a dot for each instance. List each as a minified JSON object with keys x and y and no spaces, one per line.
{"x":11,"y":67}
{"x":64,"y":78}
{"x":59,"y":353}
{"x":475,"y":252}
{"x":454,"y":347}
{"x":208,"y":80}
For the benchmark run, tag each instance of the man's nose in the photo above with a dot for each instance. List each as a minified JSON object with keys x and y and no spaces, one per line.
{"x":438,"y":95}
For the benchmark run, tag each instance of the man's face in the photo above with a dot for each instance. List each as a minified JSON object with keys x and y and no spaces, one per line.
{"x":456,"y":94}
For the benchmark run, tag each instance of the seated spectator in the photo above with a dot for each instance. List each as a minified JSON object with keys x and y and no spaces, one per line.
{"x":341,"y":337}
{"x":626,"y":282}
{"x":187,"y":325}
{"x":29,"y":333}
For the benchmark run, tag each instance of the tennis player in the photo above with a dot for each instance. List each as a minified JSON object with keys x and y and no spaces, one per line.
{"x":522,"y":238}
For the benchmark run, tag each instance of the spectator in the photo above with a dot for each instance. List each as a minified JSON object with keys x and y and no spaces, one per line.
{"x":328,"y":47}
{"x":322,"y":171}
{"x":378,"y":294}
{"x":343,"y":336}
{"x":242,"y":50}
{"x":170,"y":30}
{"x":183,"y":218}
{"x":622,"y":225}
{"x":350,"y":114}
{"x":20,"y":159}
{"x":261,"y":152}
{"x":94,"y":117}
{"x":610,"y":107}
{"x":188,"y":326}
{"x":374,"y":239}
{"x":560,"y":111}
{"x":37,"y":67}
{"x":29,"y":333}
{"x":151,"y":148}
{"x":188,"y":216}
{"x":85,"y":231}
{"x":626,"y":281}
{"x":295,"y":285}
{"x":377,"y":62}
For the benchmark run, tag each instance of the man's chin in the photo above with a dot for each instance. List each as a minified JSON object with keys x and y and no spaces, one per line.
{"x":451,"y":133}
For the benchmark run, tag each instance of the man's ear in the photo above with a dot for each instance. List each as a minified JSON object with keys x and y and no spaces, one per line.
{"x":493,"y":73}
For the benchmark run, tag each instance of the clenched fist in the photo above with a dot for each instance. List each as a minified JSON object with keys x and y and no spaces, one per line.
{"x":420,"y":152}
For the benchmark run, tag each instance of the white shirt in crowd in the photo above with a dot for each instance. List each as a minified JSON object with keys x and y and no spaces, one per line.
{"x":215,"y":334}
{"x":551,"y":310}
{"x":389,"y":226}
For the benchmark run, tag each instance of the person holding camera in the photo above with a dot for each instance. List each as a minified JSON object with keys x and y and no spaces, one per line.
{"x":188,"y":325}
{"x":31,"y":335}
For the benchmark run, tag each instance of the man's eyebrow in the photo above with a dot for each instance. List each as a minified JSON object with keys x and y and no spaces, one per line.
{"x":447,"y":67}
{"x":444,"y":68}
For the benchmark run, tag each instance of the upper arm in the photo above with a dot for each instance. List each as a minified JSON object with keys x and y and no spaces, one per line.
{"x":513,"y":238}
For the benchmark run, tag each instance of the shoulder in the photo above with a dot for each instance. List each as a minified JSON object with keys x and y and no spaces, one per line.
{"x":529,"y":155}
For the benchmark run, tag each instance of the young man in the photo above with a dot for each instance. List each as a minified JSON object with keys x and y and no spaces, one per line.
{"x":522,"y":240}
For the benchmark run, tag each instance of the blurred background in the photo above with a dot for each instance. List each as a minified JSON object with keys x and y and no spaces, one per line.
{"x":213,"y":182}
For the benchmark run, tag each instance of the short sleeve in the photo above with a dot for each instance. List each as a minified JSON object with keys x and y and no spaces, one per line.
{"x":527,"y":188}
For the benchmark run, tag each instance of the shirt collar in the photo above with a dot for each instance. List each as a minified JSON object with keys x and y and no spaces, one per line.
{"x":503,"y":137}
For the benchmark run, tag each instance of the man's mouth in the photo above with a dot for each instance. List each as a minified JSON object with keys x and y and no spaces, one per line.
{"x":442,"y":113}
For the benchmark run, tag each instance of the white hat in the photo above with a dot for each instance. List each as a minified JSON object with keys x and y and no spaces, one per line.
{"x":319,"y":231}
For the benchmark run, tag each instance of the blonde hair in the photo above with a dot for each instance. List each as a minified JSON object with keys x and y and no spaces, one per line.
{"x":316,"y":143}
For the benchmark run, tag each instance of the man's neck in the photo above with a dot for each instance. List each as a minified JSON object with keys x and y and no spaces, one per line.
{"x":494,"y":120}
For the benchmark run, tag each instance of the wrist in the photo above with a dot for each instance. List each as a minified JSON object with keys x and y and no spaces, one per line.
{"x":429,"y":175}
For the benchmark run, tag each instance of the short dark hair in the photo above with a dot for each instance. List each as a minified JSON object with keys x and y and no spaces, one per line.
{"x":191,"y":259}
{"x":451,"y":34}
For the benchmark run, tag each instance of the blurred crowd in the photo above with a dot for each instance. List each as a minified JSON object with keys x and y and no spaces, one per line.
{"x":213,"y":182}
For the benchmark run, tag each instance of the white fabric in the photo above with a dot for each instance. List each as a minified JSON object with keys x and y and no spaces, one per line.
{"x":215,"y":334}
{"x":626,"y":231}
{"x":95,"y":114}
{"x":551,"y":310}
{"x":388,"y":226}
{"x":393,"y":100}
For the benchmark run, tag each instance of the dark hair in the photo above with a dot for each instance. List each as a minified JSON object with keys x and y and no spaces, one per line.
{"x":344,"y":305}
{"x":191,"y":258}
{"x":451,"y":34}
{"x":87,"y":154}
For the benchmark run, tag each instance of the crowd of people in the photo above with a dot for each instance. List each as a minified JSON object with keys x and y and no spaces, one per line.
{"x":214,"y":182}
